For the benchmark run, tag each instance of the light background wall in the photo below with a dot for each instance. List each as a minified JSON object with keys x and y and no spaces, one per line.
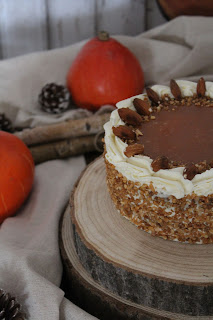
{"x":34,"y":25}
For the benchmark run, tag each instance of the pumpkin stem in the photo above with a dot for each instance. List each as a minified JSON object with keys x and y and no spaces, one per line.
{"x":103,"y":35}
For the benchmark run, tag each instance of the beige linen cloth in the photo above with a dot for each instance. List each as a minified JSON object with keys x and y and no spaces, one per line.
{"x":30,"y":265}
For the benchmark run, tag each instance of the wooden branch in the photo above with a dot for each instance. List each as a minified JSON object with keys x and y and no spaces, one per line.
{"x":64,"y":148}
{"x":63,"y":130}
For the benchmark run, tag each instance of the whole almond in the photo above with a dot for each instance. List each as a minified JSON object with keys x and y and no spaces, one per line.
{"x":124,"y":133}
{"x":160,"y":162}
{"x":201,"y":87}
{"x":190,"y":171}
{"x":134,"y":149}
{"x":153,"y":96}
{"x":175,"y":90}
{"x":142,"y":106}
{"x":130,"y":117}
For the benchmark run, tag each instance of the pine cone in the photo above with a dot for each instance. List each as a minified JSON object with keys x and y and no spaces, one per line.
{"x":5,"y":123}
{"x":54,"y":98}
{"x":10,"y":309}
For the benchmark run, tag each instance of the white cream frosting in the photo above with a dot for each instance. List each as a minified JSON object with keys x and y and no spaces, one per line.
{"x":138,"y":168}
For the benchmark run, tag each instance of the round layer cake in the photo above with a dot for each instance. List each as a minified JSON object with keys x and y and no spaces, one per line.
{"x":159,"y":160}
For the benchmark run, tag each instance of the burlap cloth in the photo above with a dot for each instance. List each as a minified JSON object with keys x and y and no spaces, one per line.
{"x":30,"y":265}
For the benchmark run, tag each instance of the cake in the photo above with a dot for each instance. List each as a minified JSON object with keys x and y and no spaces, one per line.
{"x":159,"y":160}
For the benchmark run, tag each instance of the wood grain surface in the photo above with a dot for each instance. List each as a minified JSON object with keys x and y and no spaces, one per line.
{"x":154,"y":275}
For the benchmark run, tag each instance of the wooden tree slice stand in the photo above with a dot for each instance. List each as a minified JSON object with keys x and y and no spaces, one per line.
{"x":117,"y":271}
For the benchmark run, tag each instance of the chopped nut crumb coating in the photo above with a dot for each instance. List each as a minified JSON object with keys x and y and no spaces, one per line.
{"x":189,"y":219}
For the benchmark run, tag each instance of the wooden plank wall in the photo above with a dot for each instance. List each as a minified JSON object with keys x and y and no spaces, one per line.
{"x":34,"y":25}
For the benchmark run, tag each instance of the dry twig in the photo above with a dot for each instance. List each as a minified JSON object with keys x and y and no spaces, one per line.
{"x":64,"y":148}
{"x":66,"y":129}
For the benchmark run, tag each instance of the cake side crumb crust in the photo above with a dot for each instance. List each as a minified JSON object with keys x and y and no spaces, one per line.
{"x":189,"y":219}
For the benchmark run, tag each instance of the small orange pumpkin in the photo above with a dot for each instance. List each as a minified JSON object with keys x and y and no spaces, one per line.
{"x":16,"y":174}
{"x":104,"y":72}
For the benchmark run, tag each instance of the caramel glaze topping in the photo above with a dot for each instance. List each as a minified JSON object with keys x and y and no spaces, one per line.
{"x":173,"y":132}
{"x":182,"y":133}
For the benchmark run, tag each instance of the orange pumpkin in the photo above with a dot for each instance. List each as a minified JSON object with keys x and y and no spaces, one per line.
{"x":16,"y":174}
{"x":104,"y":72}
